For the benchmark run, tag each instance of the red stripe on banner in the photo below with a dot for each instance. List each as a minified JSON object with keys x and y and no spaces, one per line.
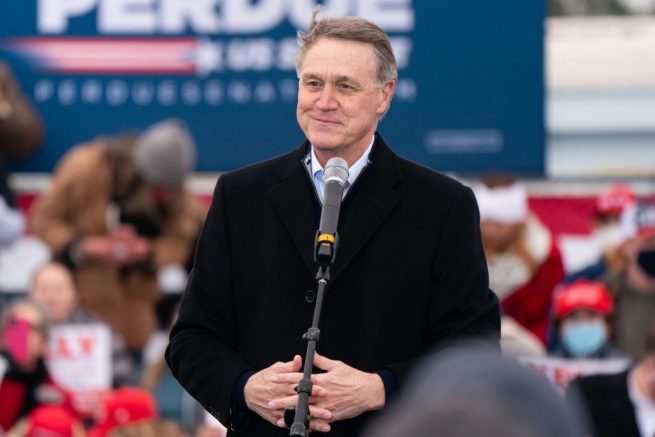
{"x":124,"y":70}
{"x":111,"y":55}
{"x":102,"y":40}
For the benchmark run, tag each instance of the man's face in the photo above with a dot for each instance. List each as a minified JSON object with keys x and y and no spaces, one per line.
{"x":339,"y":100}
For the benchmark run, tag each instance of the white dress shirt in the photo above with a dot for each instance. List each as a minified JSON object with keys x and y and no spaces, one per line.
{"x":316,"y":170}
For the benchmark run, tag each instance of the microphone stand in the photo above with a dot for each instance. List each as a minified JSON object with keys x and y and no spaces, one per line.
{"x":298,"y":419}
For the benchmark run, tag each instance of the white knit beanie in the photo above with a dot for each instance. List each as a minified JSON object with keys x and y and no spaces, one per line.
{"x":506,"y":204}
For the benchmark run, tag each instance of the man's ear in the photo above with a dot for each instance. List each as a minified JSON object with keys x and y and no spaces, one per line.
{"x":387,"y":93}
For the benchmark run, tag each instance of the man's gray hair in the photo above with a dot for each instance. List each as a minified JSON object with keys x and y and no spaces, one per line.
{"x":352,"y":29}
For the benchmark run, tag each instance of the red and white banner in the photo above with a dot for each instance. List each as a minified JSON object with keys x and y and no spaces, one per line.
{"x":79,"y":359}
{"x":560,"y":372}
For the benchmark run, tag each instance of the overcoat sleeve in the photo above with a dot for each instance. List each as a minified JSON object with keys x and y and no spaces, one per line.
{"x":202,"y":352}
{"x":461,"y":304}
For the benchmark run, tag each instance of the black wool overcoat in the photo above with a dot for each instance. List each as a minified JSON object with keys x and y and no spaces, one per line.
{"x":409,"y":274}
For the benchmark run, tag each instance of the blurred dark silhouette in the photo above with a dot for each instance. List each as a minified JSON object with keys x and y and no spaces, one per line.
{"x":467,"y":390}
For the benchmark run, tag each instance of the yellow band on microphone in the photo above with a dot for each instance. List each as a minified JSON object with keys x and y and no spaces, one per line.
{"x":325,"y":237}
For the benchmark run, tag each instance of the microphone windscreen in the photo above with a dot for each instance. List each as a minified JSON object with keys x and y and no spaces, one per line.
{"x":336,"y":169}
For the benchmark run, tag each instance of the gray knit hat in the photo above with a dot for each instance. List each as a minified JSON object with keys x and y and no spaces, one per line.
{"x":165,"y":153}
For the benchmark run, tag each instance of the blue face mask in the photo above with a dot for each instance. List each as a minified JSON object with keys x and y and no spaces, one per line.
{"x":582,"y":339}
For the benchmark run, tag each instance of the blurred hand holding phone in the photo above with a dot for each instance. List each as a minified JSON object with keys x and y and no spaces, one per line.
{"x":15,"y":340}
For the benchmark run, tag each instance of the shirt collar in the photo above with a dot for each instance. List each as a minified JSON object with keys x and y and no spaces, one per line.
{"x":315,"y":166}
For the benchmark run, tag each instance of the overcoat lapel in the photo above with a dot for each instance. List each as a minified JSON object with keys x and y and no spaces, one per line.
{"x":294,"y":199}
{"x":367,"y":204}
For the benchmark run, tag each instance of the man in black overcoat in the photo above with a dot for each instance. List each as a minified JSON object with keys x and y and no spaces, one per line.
{"x":409,"y":273}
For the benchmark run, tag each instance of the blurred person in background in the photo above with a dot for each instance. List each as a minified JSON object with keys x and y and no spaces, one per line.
{"x":524,"y":260}
{"x":631,"y":278}
{"x":467,"y":390}
{"x":24,"y":379}
{"x":48,"y":421}
{"x":130,"y":411}
{"x":607,"y":234}
{"x":516,"y":341}
{"x":160,"y":428}
{"x":54,"y":288}
{"x":21,"y":133}
{"x":12,"y":222}
{"x":622,"y":404}
{"x":21,"y":128}
{"x":583,"y":321}
{"x":20,"y":254}
{"x":607,"y":214}
{"x":118,"y":213}
{"x":173,"y":402}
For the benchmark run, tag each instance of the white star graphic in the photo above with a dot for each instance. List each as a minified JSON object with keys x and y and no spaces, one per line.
{"x":208,"y":57}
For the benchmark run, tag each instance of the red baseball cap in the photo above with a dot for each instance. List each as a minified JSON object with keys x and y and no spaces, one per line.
{"x":614,"y":200}
{"x":583,"y":295}
{"x":52,"y":421}
{"x":124,"y":406}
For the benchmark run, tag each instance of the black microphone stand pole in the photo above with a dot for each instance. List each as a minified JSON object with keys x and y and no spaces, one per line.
{"x":298,"y":419}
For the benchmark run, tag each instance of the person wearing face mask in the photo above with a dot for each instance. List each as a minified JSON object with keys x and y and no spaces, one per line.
{"x":623,"y":404}
{"x":25,"y":382}
{"x":583,"y":312}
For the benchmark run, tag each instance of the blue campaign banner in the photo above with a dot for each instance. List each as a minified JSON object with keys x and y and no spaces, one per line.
{"x":470,"y":96}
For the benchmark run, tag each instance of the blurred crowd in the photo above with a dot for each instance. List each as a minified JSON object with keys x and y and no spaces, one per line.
{"x":119,"y":228}
{"x":81,"y":345}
